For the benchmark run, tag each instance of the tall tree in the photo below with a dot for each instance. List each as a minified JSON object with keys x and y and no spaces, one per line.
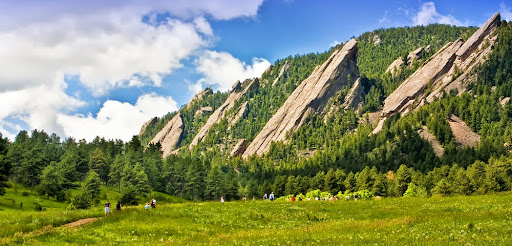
{"x":98,"y":164}
{"x":51,"y":181}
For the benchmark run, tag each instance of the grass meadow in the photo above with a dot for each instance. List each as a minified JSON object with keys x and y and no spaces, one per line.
{"x":463,"y":220}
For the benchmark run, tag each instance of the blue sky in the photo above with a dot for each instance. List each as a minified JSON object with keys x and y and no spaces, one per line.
{"x":91,"y":68}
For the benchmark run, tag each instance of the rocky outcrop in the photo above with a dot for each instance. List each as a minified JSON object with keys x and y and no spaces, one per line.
{"x":281,"y":72}
{"x":310,"y":96}
{"x":242,"y":112}
{"x":355,"y":97}
{"x":504,"y":101}
{"x":239,"y":148}
{"x":170,"y":135}
{"x":413,"y":56}
{"x":462,"y":133}
{"x":147,"y":124}
{"x":376,"y":40}
{"x":200,"y":112}
{"x":450,"y":68}
{"x":200,"y":95}
{"x":436,"y":146}
{"x":236,"y":93}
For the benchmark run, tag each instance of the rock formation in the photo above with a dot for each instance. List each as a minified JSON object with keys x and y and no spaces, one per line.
{"x":436,"y":146}
{"x":236,"y":93}
{"x":310,"y":96}
{"x":462,"y":133}
{"x":242,"y":111}
{"x":146,"y":124}
{"x":450,"y":68}
{"x":413,"y":56}
{"x":376,"y":40}
{"x":281,"y":72}
{"x":200,"y":95}
{"x":170,"y":135}
{"x":239,"y":148}
{"x":202,"y":110}
{"x":355,"y":97}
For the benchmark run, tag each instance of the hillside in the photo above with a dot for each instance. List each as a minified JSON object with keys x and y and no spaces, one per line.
{"x":362,"y":116}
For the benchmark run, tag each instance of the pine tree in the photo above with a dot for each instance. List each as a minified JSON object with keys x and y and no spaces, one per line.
{"x":92,"y":185}
{"x":214,"y":184}
{"x":350,"y":182}
{"x":116,"y":171}
{"x":98,"y":164}
{"x":51,"y":181}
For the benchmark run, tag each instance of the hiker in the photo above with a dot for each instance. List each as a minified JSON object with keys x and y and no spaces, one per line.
{"x":244,"y":198}
{"x":265,"y":196}
{"x":293,"y":199}
{"x":153,"y":203}
{"x":146,"y":206}
{"x":222,"y":199}
{"x":21,"y":205}
{"x":118,"y":205}
{"x":271,"y":197}
{"x":356,"y":196}
{"x":300,"y":199}
{"x":347,"y":198}
{"x":253,"y":198}
{"x":107,"y":208}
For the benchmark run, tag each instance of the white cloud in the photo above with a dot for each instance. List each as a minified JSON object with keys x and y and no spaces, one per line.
{"x":505,"y":12}
{"x":334,"y":43}
{"x":385,"y":17}
{"x":116,"y":119}
{"x":428,"y":15}
{"x":103,"y":43}
{"x":223,"y":70}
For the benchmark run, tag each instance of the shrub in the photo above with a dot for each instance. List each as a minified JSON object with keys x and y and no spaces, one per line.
{"x":82,"y":200}
{"x":365,"y":194}
{"x":71,"y":207}
{"x":415,"y":191}
{"x":313,"y":194}
{"x":38,"y":207}
{"x":25,"y":193}
{"x":129,"y":196}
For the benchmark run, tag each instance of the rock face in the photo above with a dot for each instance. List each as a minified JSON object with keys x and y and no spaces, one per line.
{"x":200,"y":95}
{"x":450,"y":68}
{"x":202,"y":110}
{"x":438,"y":148}
{"x":236,"y":93}
{"x":376,"y":40}
{"x":242,"y":111}
{"x":147,"y":124}
{"x":281,"y":72}
{"x":310,"y":96}
{"x":413,"y":56}
{"x":170,"y":135}
{"x":355,"y":97}
{"x":239,"y":148}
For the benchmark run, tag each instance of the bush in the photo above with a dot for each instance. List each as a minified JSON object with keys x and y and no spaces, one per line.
{"x":38,"y":207}
{"x":313,"y":194}
{"x":82,"y":200}
{"x":25,"y":193}
{"x":71,"y":207}
{"x":365,"y":194}
{"x":129,"y":197}
{"x":415,"y":191}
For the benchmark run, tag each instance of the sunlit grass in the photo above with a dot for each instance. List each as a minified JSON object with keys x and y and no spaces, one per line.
{"x":477,"y":220}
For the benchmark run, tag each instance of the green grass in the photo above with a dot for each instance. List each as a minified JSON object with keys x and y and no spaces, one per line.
{"x":476,"y":220}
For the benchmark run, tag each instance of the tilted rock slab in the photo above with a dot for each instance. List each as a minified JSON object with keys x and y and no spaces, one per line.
{"x":281,"y":72}
{"x":170,"y":135}
{"x":146,"y":124}
{"x":355,"y":97}
{"x":311,"y":95}
{"x":239,"y":148}
{"x":438,"y":73}
{"x":236,"y":93}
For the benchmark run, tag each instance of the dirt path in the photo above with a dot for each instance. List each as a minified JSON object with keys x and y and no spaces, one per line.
{"x":80,"y":222}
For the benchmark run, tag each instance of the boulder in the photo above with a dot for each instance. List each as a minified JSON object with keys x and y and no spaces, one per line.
{"x":170,"y":135}
{"x":310,"y":96}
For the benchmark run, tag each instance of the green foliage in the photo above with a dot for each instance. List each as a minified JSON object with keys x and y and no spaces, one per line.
{"x":415,"y":191}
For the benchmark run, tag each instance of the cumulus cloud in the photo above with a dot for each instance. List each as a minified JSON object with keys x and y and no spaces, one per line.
{"x":105,"y":44}
{"x":223,"y":70}
{"x":505,"y":12}
{"x":429,"y":15}
{"x":334,"y":43}
{"x":117,"y":120}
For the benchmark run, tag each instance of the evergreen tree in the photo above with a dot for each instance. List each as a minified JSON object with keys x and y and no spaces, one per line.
{"x":98,"y":164}
{"x":51,"y":182}
{"x":4,"y":164}
{"x":214,"y":184}
{"x":290,"y":188}
{"x":194,"y":185}
{"x":116,"y":171}
{"x":92,"y":185}
{"x":402,"y":179}
{"x":350,"y":182}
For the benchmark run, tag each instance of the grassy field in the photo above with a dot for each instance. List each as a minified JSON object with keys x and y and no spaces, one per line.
{"x":473,"y":220}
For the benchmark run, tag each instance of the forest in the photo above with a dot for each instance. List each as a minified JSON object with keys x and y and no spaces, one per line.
{"x":331,"y":154}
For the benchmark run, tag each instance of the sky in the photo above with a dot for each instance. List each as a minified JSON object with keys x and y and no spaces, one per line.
{"x":92,"y":68}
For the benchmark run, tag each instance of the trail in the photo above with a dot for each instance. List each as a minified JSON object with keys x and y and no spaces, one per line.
{"x":80,"y":222}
